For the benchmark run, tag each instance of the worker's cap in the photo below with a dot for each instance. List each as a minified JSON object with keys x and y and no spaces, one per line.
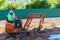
{"x":42,"y":15}
{"x":13,"y":8}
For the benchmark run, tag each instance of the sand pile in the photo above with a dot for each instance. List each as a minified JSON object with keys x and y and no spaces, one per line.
{"x":2,"y":28}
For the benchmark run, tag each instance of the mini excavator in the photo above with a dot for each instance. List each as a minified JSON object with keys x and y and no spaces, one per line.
{"x":19,"y":31}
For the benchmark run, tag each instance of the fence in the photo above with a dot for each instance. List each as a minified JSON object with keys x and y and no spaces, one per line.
{"x":24,"y":13}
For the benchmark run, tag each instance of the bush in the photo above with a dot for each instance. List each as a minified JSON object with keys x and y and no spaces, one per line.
{"x":38,"y":5}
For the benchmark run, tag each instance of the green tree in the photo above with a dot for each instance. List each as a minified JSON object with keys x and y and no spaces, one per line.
{"x":57,"y":5}
{"x":19,"y":5}
{"x":2,"y":5}
{"x":54,"y":3}
{"x":38,"y":4}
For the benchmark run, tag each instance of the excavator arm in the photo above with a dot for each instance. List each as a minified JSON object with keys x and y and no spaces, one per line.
{"x":29,"y":19}
{"x":31,"y":16}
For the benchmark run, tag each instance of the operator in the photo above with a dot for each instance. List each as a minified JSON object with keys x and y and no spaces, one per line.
{"x":11,"y":18}
{"x":11,"y":15}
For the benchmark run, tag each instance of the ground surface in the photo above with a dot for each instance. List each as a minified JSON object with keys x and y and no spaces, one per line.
{"x":50,"y":26}
{"x":40,"y":36}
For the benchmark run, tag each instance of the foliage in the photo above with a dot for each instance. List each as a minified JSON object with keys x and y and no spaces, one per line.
{"x":2,"y":4}
{"x":58,"y":5}
{"x":54,"y":3}
{"x":17,"y":6}
{"x":35,"y":4}
{"x":10,"y":5}
{"x":38,"y":5}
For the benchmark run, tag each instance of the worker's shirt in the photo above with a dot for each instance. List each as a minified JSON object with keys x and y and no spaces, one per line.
{"x":11,"y":16}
